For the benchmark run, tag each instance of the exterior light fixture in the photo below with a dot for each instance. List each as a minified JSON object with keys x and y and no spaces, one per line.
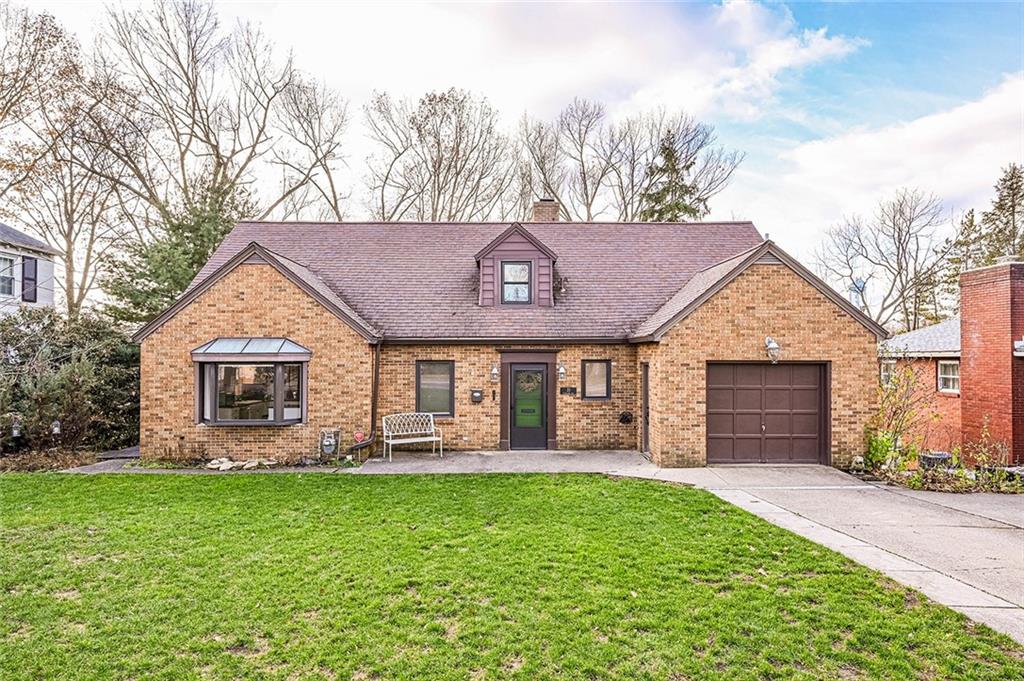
{"x":561,"y":371}
{"x":495,"y":373}
{"x":772,"y":349}
{"x":55,"y":427}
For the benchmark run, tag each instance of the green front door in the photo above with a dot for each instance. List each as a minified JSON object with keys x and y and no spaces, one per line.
{"x":528,"y":420}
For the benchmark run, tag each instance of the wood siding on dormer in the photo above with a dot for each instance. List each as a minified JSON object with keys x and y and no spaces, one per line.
{"x":516,"y":248}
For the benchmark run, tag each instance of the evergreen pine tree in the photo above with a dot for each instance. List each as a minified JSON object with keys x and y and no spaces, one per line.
{"x":671,"y":198}
{"x":149,"y":276}
{"x":1003,"y":224}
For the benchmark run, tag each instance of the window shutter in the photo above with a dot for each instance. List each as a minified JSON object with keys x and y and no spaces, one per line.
{"x":29,"y":279}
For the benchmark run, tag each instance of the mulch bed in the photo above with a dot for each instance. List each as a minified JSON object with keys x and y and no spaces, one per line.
{"x":48,"y":460}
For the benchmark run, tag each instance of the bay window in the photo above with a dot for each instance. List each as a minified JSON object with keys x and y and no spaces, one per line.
{"x":257,"y":381}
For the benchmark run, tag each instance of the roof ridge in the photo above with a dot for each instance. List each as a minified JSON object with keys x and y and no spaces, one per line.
{"x":463,"y":223}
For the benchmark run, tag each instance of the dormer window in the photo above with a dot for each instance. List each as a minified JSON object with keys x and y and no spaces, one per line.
{"x":515,"y":283}
{"x":516,"y":269}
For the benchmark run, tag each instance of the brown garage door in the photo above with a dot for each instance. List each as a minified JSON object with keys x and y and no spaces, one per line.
{"x":766,"y":413}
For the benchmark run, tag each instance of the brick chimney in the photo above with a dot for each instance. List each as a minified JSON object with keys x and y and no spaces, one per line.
{"x":545,"y":210}
{"x":991,"y":377}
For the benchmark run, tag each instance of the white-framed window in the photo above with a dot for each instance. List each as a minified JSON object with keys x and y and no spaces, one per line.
{"x":949,"y":376}
{"x":7,"y":275}
{"x":886,"y":371}
{"x":516,"y":278}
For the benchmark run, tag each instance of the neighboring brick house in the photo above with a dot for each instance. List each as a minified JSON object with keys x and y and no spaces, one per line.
{"x":26,"y":271}
{"x":536,"y":335}
{"x":971,"y":366}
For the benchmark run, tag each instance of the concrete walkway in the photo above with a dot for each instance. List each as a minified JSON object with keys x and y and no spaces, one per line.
{"x":965,"y":551}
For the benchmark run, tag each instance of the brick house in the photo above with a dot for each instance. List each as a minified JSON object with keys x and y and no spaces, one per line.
{"x":535,"y":335}
{"x":971,"y":366}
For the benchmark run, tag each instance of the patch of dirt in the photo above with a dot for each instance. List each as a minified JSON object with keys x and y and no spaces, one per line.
{"x":23,"y":631}
{"x":910,"y":599}
{"x":67,"y":595}
{"x":48,"y":460}
{"x":513,"y":664}
{"x":847,"y":672}
{"x":259,"y":646}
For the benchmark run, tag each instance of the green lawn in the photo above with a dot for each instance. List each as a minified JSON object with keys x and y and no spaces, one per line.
{"x":461,"y":577}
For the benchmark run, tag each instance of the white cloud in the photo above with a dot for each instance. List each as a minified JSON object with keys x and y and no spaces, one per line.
{"x":956,"y":154}
{"x":709,"y":59}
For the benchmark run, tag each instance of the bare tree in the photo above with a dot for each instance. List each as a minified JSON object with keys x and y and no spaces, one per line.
{"x":892,"y":263}
{"x":36,"y":61}
{"x":201,"y":112}
{"x":75,"y":210}
{"x":596,"y":168}
{"x":440,"y":158}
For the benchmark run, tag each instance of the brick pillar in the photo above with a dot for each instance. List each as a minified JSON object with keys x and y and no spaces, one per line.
{"x":545,"y":210}
{"x":991,"y":378}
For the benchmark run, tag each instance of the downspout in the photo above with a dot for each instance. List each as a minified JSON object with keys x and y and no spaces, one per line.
{"x":372,"y":440}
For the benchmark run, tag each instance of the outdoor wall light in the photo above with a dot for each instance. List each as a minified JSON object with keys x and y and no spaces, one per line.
{"x":561,"y":371}
{"x":773,"y":349}
{"x":495,"y":373}
{"x":55,"y":427}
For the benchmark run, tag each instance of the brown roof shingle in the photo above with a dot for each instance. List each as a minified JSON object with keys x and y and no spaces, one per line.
{"x":418,"y":280}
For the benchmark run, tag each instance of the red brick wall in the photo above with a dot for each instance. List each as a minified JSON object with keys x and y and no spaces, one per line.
{"x":938,"y":424}
{"x":991,"y":379}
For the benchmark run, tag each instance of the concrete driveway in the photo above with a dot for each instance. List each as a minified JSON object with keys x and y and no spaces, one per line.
{"x":963,"y":550}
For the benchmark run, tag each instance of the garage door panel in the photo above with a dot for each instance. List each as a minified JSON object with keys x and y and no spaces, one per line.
{"x":749,"y":375}
{"x":759,"y":412}
{"x":748,"y":424}
{"x":720,"y":398}
{"x":748,"y":398}
{"x":720,"y":449}
{"x":778,"y":424}
{"x":721,"y":424}
{"x":747,"y":449}
{"x":805,"y":450}
{"x":721,"y":374}
{"x":806,"y":424}
{"x":778,"y":398}
{"x":806,"y":374}
{"x":778,"y":374}
{"x":777,"y":449}
{"x":806,"y":399}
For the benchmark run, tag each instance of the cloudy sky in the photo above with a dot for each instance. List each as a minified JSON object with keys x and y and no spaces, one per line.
{"x":835,"y":104}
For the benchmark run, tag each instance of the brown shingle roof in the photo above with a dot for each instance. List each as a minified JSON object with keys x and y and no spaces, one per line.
{"x":418,"y":280}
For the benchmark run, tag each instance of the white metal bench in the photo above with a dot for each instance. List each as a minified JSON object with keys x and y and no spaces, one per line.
{"x":401,"y":429}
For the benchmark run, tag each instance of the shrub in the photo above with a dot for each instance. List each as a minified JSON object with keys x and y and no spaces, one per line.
{"x":81,"y":372}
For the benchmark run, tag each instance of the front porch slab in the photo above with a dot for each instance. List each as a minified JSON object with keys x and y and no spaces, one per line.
{"x":611,"y":462}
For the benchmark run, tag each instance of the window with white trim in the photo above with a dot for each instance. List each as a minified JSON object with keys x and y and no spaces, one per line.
{"x":886,"y":372}
{"x":949,"y":376}
{"x":6,"y":275}
{"x":516,"y":279}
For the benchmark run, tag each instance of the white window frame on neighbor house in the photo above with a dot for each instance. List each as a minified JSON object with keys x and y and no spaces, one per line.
{"x":945,"y":382}
{"x":8,"y":263}
{"x":886,"y":371}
